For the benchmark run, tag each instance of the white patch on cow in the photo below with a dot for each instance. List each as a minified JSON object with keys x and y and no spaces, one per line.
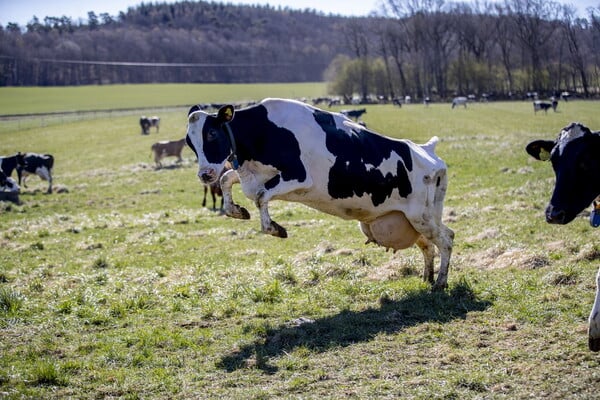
{"x":567,"y":136}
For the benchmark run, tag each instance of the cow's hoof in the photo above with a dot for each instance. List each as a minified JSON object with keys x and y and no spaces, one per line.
{"x":594,"y":344}
{"x":237,"y":212}
{"x":276,"y":230}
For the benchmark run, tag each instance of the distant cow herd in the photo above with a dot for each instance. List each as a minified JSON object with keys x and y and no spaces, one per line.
{"x":281,"y":149}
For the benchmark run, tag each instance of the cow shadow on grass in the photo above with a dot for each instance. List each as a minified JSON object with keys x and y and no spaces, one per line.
{"x":351,"y":327}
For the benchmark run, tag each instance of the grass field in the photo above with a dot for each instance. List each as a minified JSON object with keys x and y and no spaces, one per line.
{"x":123,"y":286}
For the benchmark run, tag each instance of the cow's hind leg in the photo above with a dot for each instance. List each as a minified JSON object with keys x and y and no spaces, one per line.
{"x":594,"y":321}
{"x":231,"y":209}
{"x":428,"y":250}
{"x":444,"y":242}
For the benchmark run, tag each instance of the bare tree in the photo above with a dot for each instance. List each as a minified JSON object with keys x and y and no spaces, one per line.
{"x":533,"y":22}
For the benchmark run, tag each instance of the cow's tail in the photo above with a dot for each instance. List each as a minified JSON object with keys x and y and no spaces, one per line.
{"x":50,"y":161}
{"x":429,"y":147}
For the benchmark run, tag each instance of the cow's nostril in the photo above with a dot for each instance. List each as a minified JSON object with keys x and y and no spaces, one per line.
{"x":206,"y":177}
{"x":554,"y":216}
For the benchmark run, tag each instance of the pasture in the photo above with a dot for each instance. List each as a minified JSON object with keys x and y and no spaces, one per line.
{"x":123,"y":286}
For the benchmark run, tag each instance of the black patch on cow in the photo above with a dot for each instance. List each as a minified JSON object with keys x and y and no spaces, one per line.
{"x":349,"y":175}
{"x":271,"y":183}
{"x":259,"y":139}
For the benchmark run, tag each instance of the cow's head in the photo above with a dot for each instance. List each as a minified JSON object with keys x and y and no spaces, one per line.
{"x":207,"y":137}
{"x":575,"y":158}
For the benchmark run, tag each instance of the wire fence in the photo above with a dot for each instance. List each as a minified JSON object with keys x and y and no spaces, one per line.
{"x":15,"y":123}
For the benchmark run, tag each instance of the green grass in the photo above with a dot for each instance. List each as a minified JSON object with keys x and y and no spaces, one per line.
{"x":124,"y":286}
{"x":32,"y":100}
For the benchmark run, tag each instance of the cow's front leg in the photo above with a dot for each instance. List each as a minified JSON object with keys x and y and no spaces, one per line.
{"x":267,"y":224}
{"x":231,"y":209}
{"x":594,"y":321}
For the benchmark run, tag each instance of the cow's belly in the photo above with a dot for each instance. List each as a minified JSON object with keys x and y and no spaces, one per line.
{"x":351,"y":208}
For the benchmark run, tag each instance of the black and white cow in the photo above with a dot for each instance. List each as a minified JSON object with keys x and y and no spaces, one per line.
{"x":539,"y":105}
{"x":8,"y":184}
{"x":288,"y":150}
{"x":575,"y":158}
{"x":35,"y":164}
{"x":146,"y":123}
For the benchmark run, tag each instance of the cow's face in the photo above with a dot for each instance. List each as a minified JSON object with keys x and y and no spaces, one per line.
{"x":576,"y":163}
{"x":207,"y":137}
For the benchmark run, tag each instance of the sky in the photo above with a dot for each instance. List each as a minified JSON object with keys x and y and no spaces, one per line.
{"x":22,"y":11}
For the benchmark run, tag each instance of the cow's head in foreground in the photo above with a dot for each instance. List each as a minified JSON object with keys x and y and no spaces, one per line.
{"x":287,"y":150}
{"x":575,"y":158}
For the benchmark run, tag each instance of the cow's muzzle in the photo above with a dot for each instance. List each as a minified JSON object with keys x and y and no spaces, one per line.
{"x":207,"y":176}
{"x":555,"y":216}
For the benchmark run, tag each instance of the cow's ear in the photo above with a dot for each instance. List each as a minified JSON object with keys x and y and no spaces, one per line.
{"x":225,"y":113}
{"x":540,"y":149}
{"x":193,"y":109}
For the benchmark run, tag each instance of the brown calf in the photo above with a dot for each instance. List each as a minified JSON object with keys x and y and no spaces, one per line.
{"x":167,"y":149}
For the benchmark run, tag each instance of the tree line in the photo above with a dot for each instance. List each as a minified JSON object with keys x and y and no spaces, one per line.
{"x":420,"y":48}
{"x":430,"y":48}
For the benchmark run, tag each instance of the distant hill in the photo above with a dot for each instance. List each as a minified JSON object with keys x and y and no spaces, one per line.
{"x":176,"y":42}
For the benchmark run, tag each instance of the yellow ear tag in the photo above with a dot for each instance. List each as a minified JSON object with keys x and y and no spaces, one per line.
{"x":228,"y":114}
{"x":544,"y":155}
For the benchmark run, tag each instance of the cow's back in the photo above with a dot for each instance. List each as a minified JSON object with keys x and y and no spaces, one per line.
{"x":355,"y":173}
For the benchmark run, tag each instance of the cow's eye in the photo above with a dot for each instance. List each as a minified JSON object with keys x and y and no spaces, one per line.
{"x":211,"y":135}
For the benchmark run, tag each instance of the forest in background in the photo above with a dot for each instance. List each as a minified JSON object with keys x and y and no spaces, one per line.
{"x":421,"y":48}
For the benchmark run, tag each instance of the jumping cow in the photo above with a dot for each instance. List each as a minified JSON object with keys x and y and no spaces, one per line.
{"x":167,"y":148}
{"x":576,"y":164}
{"x":288,"y":150}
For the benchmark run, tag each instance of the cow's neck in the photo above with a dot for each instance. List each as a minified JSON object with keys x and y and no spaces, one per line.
{"x":233,"y":156}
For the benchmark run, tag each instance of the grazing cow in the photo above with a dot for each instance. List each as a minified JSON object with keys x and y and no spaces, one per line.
{"x":146,"y":123}
{"x":287,"y":150}
{"x":354,"y":114}
{"x":167,"y":148}
{"x":459,"y":101}
{"x":544,"y":105}
{"x":576,"y":164}
{"x":35,"y":164}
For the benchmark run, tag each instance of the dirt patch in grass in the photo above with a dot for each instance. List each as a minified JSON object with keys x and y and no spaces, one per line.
{"x":497,"y":258}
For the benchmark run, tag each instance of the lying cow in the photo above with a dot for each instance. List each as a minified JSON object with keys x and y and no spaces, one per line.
{"x":30,"y":164}
{"x":146,"y":123}
{"x":167,"y":148}
{"x":8,"y":184}
{"x":574,"y":158}
{"x":539,"y":105}
{"x":288,"y":150}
